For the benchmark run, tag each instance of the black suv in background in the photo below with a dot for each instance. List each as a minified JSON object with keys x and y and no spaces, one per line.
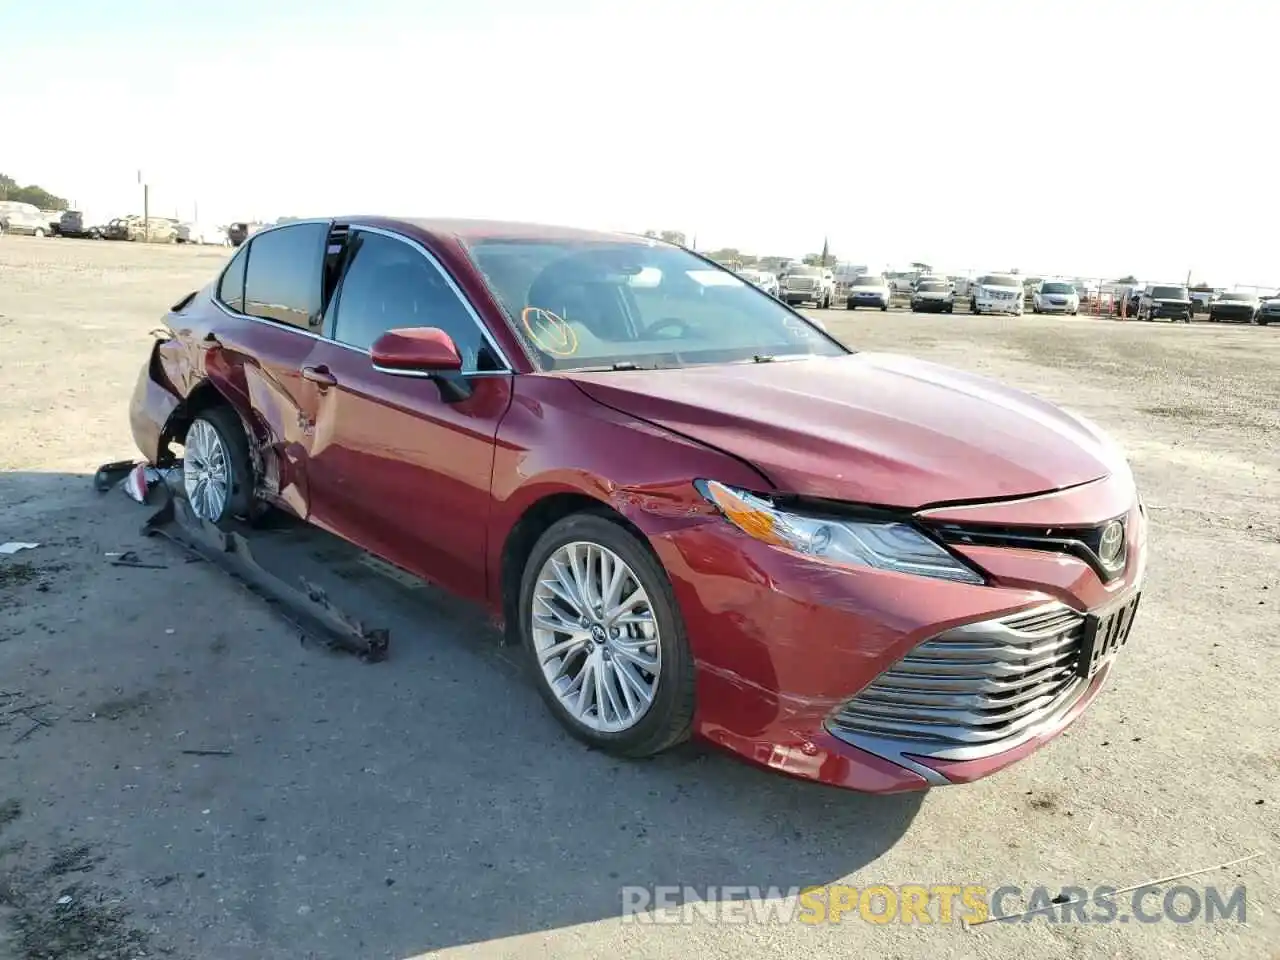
{"x":1159,"y":302}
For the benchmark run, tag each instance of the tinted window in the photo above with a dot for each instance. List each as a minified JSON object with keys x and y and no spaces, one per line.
{"x":933,"y":286}
{"x":1242,"y":297}
{"x":231,"y":286}
{"x":388,"y":284}
{"x":804,"y":271}
{"x":1169,"y":293}
{"x":999,"y":280}
{"x":1061,"y":288}
{"x":282,"y":282}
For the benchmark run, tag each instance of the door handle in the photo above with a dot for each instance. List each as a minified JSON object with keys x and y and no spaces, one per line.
{"x":319,"y":374}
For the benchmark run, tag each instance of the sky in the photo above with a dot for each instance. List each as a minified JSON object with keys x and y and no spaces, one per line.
{"x":1080,"y":138}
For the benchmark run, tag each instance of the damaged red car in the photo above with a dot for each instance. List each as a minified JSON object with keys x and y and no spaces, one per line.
{"x":696,"y":511}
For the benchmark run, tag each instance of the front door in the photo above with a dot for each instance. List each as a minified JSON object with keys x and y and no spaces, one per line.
{"x":393,"y":466}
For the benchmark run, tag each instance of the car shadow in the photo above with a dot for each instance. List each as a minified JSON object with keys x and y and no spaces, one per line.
{"x":419,"y":803}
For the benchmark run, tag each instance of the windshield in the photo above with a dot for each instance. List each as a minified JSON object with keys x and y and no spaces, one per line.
{"x":592,"y":304}
{"x":869,"y":282}
{"x":1000,"y":280}
{"x":933,"y":286}
{"x":1062,"y":288}
{"x":1169,"y":293}
{"x":803,"y":271}
{"x":1246,"y":297}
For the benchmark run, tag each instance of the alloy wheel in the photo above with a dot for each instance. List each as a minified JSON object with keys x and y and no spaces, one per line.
{"x":595,"y":637}
{"x":206,"y":470}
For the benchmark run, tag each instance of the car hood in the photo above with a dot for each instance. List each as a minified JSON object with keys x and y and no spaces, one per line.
{"x":868,"y":428}
{"x":932,"y":294}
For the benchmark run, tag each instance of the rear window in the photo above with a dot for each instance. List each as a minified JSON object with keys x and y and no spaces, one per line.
{"x":1062,"y":288}
{"x":283,"y":278}
{"x":1000,"y":280}
{"x":1169,"y":293}
{"x":231,"y":286}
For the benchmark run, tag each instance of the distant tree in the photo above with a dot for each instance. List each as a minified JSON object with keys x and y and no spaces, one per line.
{"x":37,"y":196}
{"x":671,"y":236}
{"x":725,"y":253}
{"x":922,"y":267}
{"x":1015,"y":271}
{"x":1128,"y":278}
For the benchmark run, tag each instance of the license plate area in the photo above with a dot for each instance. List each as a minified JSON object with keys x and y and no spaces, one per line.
{"x":1104,"y":634}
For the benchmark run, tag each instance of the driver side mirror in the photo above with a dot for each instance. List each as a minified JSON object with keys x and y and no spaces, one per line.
{"x":426,"y":352}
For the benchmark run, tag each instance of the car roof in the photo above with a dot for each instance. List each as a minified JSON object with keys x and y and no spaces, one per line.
{"x":472,"y":231}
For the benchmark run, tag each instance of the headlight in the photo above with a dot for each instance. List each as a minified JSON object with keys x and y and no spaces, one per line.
{"x":883,"y":544}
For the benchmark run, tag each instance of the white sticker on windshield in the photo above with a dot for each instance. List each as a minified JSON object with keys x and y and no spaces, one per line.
{"x":714,"y":278}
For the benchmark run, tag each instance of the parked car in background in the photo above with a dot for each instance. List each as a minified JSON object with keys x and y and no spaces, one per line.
{"x":763,"y":279}
{"x":1235,"y":306}
{"x":77,"y":224}
{"x":933,"y":296}
{"x":242,"y":230}
{"x":997,"y":293}
{"x":869,"y":290}
{"x":805,"y":284}
{"x":1202,"y":298}
{"x":1055,"y":296}
{"x":143,"y":230}
{"x":1165,"y":302}
{"x":1268,"y":311}
{"x":23,"y":219}
{"x":659,"y":481}
{"x":202,"y":233}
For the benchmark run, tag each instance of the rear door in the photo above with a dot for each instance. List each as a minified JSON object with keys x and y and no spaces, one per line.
{"x":394,"y":466}
{"x":274,"y":286}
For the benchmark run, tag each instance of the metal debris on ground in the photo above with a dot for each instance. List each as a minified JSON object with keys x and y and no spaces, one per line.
{"x":136,"y":478}
{"x":312,"y":612}
{"x":14,"y":546}
{"x":130,"y":558}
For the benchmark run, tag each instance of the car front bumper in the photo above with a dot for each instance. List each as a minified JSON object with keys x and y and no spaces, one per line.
{"x":1232,"y":314}
{"x":1050,"y":307}
{"x":866,"y":300}
{"x":1001,"y":306}
{"x":932,"y":306}
{"x":801,"y":663}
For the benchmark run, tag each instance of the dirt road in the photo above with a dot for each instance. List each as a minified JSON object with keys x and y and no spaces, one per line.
{"x":430,"y":803}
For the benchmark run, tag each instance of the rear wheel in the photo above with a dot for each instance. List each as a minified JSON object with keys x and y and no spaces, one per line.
{"x":217,"y":472}
{"x":604,"y":638}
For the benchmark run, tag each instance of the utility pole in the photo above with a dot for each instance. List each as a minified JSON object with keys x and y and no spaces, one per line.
{"x":146,"y":208}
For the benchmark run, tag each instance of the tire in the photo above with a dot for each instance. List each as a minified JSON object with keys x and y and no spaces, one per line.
{"x":884,"y":307}
{"x":951,"y":308}
{"x":230,"y":433}
{"x":850,"y":305}
{"x":973,"y":308}
{"x":668,"y":719}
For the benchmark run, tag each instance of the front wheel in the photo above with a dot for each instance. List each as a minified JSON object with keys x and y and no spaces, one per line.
{"x":604,"y":639}
{"x":884,"y":307}
{"x":850,"y":305}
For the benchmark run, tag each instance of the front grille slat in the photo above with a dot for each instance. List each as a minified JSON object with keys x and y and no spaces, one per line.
{"x":978,"y":685}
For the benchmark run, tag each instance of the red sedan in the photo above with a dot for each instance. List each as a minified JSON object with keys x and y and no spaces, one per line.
{"x":696,"y":511}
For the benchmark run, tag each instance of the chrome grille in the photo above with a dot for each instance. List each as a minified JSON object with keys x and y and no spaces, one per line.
{"x":984,"y":686}
{"x":801,"y":283}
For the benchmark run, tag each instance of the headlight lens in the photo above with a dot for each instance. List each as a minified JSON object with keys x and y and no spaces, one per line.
{"x":884,"y":545}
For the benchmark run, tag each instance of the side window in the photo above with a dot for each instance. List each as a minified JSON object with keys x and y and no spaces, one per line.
{"x":390,"y":284}
{"x":231,"y":286}
{"x":283,"y":278}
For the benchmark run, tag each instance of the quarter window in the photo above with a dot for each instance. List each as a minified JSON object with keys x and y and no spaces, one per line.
{"x":389,"y":284}
{"x":283,"y":278}
{"x":231,"y":286}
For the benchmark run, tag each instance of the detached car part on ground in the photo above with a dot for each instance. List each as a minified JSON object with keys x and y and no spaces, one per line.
{"x":695,"y":511}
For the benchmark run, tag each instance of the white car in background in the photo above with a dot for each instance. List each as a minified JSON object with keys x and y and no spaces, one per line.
{"x":762,"y":279}
{"x":1056,"y":296}
{"x":202,"y":233}
{"x":868,"y":291}
{"x":997,"y":293}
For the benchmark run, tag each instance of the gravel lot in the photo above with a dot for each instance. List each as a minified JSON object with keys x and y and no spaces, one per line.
{"x":430,"y":802}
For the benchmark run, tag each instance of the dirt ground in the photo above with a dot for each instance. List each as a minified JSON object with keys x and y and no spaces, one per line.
{"x":430,"y":803}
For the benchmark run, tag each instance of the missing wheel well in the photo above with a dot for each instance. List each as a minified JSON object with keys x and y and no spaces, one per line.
{"x":535,"y":522}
